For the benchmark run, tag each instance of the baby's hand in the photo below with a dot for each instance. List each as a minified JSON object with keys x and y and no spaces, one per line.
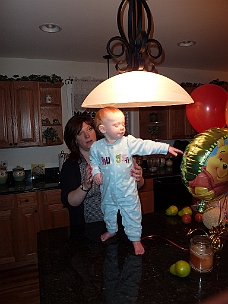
{"x":174,"y":151}
{"x":98,"y":179}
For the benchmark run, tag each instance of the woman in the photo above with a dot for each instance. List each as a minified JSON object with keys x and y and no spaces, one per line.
{"x":79,"y":194}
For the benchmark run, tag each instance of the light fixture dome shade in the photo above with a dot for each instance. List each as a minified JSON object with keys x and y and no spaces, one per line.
{"x":137,"y":89}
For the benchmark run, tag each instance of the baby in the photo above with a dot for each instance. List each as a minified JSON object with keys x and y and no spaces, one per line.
{"x":111,"y":161}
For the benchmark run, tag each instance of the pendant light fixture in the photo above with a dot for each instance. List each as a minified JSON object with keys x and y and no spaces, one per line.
{"x":136,"y":85}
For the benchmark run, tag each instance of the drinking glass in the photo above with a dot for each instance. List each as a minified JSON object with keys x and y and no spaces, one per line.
{"x":201,"y":253}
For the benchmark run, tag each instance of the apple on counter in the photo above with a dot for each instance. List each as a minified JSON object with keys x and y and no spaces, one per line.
{"x":185,"y":213}
{"x":185,"y":210}
{"x":181,"y":269}
{"x":172,"y":210}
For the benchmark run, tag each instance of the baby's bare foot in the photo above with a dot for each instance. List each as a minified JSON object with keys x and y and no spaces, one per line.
{"x":139,"y":249}
{"x":107,"y":235}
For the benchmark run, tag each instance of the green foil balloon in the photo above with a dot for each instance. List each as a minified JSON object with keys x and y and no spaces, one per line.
{"x":204,"y":167}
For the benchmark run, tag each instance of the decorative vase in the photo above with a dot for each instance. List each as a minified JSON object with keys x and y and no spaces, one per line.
{"x":3,"y":175}
{"x":18,"y":174}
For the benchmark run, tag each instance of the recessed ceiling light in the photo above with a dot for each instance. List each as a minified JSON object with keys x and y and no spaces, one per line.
{"x":186,"y":43}
{"x":50,"y":28}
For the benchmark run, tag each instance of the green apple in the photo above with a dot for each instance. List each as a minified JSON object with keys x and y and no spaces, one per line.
{"x":172,"y":269}
{"x":172,"y":210}
{"x":185,"y":210}
{"x":181,"y":269}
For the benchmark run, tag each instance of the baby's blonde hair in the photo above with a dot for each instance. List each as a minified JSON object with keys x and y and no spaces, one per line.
{"x":101,"y":114}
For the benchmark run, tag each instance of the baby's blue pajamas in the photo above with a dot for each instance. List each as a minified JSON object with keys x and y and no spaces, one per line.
{"x":119,"y":188}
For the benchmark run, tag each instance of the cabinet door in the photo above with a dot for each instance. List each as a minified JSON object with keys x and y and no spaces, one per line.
{"x":146,"y":195}
{"x":26,"y":113}
{"x":28,"y":221}
{"x":55,"y":214}
{"x":9,"y":252}
{"x":6,"y":128}
{"x":176,"y":119}
{"x":28,"y":228}
{"x":190,"y":132}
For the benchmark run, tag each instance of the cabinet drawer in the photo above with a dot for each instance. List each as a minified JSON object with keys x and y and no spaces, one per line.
{"x":27,"y":199}
{"x":52,"y":196}
{"x":148,"y":185}
{"x":7,"y":202}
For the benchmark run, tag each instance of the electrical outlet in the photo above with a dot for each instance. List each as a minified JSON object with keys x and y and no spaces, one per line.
{"x":4,"y":163}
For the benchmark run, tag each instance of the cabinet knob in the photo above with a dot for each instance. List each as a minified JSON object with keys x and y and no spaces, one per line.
{"x":15,"y":144}
{"x":11,"y":144}
{"x":35,"y":211}
{"x":27,"y":200}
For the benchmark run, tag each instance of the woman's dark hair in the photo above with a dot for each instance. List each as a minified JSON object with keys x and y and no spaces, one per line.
{"x":72,"y":129}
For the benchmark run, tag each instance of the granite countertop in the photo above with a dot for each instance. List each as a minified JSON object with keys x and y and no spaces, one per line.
{"x":80,"y":269}
{"x":49,"y":181}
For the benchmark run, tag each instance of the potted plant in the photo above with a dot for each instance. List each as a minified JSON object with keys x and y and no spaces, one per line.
{"x":153,"y":130}
{"x":50,"y":134}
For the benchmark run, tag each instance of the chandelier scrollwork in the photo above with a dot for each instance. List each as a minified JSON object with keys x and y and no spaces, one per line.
{"x":138,"y":42}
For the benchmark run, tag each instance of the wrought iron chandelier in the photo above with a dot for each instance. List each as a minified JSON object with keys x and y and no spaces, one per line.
{"x":136,"y":85}
{"x":137,"y":46}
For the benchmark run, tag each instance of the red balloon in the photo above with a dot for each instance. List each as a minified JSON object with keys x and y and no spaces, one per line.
{"x":208,"y":109}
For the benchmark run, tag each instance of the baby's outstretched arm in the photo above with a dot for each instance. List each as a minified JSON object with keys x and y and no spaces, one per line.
{"x":98,"y":179}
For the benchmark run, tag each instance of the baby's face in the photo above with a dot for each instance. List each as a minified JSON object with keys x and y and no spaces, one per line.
{"x":114,"y":124}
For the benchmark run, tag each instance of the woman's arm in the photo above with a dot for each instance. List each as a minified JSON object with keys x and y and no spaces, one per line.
{"x":73,"y":191}
{"x":137,"y":173}
{"x":77,"y":196}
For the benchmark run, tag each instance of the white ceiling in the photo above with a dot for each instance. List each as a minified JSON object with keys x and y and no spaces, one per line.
{"x":87,"y":25}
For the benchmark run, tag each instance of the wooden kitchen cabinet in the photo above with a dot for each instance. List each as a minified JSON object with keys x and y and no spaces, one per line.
{"x":55,"y":214}
{"x":146,"y":195}
{"x":28,"y":224}
{"x":19,"y":224}
{"x":51,"y":109}
{"x":171,"y":123}
{"x":25,"y":114}
{"x":165,"y":122}
{"x":22,"y":216}
{"x":178,"y":124}
{"x":20,"y":116}
{"x":8,"y":230}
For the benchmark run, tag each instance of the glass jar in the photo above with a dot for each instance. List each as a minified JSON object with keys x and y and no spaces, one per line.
{"x":153,"y":164}
{"x":3,"y":175}
{"x":18,"y":174}
{"x":169,"y":162}
{"x":201,"y":253}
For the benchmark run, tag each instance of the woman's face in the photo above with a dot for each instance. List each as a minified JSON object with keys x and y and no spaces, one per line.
{"x":86,"y":137}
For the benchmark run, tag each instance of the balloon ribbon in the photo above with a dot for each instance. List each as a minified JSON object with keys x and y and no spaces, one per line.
{"x":215,"y":234}
{"x":171,"y":242}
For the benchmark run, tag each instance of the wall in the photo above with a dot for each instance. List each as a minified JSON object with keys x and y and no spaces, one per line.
{"x":23,"y":67}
